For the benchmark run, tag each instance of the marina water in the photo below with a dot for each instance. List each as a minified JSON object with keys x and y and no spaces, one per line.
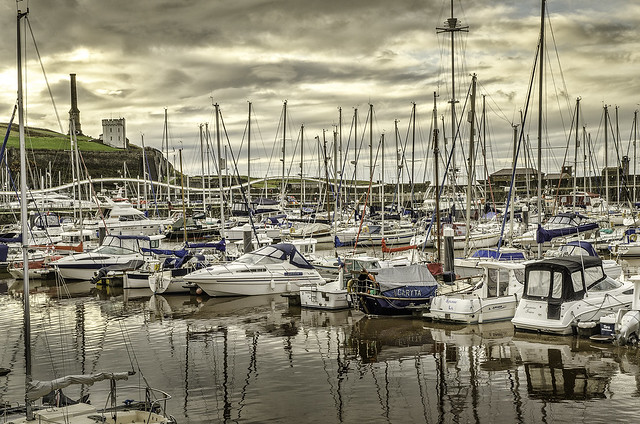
{"x":259,"y":360}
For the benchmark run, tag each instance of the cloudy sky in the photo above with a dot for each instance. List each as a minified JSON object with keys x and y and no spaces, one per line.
{"x":133,"y":59}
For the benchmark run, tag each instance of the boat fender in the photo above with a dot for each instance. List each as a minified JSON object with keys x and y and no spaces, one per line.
{"x":633,"y":238}
{"x":272,"y":284}
{"x":371,"y":277}
{"x":349,"y":284}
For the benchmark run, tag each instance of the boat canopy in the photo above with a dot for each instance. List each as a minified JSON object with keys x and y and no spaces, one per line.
{"x":543,"y":235}
{"x":562,"y":279}
{"x":579,"y":248}
{"x":402,"y":276}
{"x":498,"y":255}
{"x":129,"y":237}
{"x":284,"y":251}
{"x":219,"y":245}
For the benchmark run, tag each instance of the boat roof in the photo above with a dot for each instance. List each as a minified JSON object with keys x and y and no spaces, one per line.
{"x":502,"y":255}
{"x":502,"y":264}
{"x":137,"y":237}
{"x":570,"y":263}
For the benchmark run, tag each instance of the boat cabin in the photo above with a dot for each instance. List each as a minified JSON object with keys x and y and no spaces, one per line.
{"x":500,"y":279}
{"x":122,"y":244}
{"x":565,"y":279}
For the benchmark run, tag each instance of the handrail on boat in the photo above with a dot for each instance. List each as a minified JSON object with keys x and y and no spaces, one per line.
{"x":150,"y":400}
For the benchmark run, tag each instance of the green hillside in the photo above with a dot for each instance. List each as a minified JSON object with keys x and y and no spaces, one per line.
{"x":42,"y":139}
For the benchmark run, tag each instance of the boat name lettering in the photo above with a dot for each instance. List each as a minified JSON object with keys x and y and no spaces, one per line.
{"x":408,"y":293}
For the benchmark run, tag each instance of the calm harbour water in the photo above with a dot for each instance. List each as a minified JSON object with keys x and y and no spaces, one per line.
{"x":256,"y":360}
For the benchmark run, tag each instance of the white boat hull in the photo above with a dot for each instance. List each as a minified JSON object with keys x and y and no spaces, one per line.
{"x":162,"y":282}
{"x":327,"y":296}
{"x":471,"y":309}
{"x":531,"y":315}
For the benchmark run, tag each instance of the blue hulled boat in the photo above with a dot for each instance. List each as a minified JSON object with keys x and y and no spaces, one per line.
{"x":393,"y":291}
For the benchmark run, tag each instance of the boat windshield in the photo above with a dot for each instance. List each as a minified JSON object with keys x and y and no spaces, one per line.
{"x":114,"y":250}
{"x":605,"y":284}
{"x":263,"y":256}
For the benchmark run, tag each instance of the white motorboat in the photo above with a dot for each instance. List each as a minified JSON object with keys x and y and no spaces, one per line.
{"x":372,"y":234}
{"x":494,"y":298}
{"x":623,"y":326}
{"x":563,"y":293}
{"x":331,"y":295}
{"x":583,"y":248}
{"x":122,"y":218}
{"x":115,"y":251}
{"x":170,"y":279}
{"x":628,"y":247}
{"x":470,"y":267}
{"x":277,"y":268}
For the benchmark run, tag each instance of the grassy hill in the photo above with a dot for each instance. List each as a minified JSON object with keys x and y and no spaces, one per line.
{"x":43,"y":139}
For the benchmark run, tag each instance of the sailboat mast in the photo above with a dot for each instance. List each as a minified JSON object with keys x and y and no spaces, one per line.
{"x":436,"y":177}
{"x":484,"y":146}
{"x":584,"y":158}
{"x":249,"y":159}
{"x":382,"y":180}
{"x":452,"y":27}
{"x":166,"y":146}
{"x":606,"y":154}
{"x":575,"y":159}
{"x":370,"y":142}
{"x":204,"y":194}
{"x":335,"y":174}
{"x":355,"y":157}
{"x":284,"y":139}
{"x":23,"y":223}
{"x":222,"y":232}
{"x":513,"y":191}
{"x":413,"y":155}
{"x":398,"y":198}
{"x":617,"y":143}
{"x":472,"y":131}
{"x":302,"y":185}
{"x":540,"y":92}
{"x":184,"y":210}
{"x":635,"y":137}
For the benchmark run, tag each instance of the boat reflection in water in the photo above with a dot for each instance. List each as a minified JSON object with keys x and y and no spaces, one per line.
{"x":557,"y":372}
{"x":258,"y":359}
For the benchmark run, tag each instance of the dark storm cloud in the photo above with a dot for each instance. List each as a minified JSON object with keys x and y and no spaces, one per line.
{"x":135,"y":58}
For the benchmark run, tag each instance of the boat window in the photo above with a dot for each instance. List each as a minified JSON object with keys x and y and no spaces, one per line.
{"x":492,"y":282}
{"x":576,"y":278}
{"x":298,"y":260}
{"x":503,"y":282}
{"x":605,"y":284}
{"x":114,"y":250}
{"x":154,"y":244}
{"x":519,"y":275}
{"x":592,"y":275}
{"x":556,"y":292}
{"x":249,"y":259}
{"x":538,"y":283}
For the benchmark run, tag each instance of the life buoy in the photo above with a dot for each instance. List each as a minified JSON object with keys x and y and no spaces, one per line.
{"x":633,"y":238}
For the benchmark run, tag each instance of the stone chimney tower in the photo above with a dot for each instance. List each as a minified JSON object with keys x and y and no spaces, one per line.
{"x":74,"y":113}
